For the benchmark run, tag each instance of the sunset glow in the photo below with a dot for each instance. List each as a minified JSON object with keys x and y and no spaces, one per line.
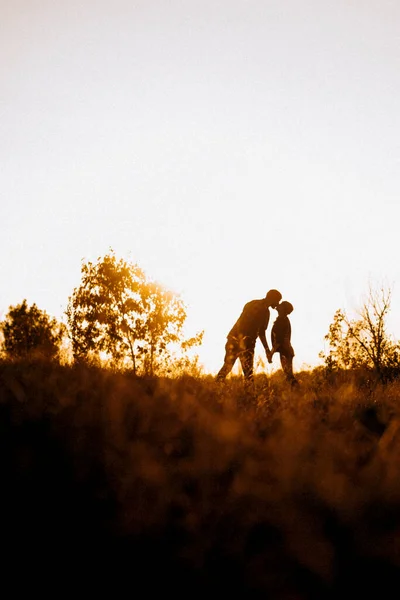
{"x":226,"y":147}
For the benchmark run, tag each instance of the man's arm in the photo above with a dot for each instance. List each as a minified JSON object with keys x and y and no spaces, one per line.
{"x":264,"y":342}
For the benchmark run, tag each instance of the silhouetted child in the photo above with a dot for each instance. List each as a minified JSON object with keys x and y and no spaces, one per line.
{"x":280,"y":338}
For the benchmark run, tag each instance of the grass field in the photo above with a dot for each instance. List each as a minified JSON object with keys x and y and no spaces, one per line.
{"x":188,"y":487}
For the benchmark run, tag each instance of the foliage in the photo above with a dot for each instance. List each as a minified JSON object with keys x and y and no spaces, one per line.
{"x":119,"y":313}
{"x":364,"y":342}
{"x":29,"y":331}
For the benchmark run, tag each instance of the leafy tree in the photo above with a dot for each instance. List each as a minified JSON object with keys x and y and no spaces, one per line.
{"x":116,"y":311}
{"x":165,"y":319}
{"x":364,"y":342}
{"x":30,"y":332}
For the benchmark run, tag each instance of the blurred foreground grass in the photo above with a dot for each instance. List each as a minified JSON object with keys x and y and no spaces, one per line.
{"x":186,"y":487}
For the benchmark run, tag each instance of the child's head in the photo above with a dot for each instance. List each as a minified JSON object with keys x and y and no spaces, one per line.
{"x":284,"y":308}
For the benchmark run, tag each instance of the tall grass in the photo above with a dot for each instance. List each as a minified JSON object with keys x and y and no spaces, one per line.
{"x":186,"y":487}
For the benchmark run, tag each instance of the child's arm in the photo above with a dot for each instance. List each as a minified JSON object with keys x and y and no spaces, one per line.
{"x":275,"y":348}
{"x":275,"y":345}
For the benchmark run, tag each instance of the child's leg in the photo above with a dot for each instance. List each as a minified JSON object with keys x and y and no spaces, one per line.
{"x":287,"y":367}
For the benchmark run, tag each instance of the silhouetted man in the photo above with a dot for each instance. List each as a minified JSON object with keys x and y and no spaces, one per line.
{"x":281,"y":340}
{"x":241,"y":339}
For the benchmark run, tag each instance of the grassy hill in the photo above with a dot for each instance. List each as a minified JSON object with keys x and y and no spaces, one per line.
{"x":186,"y":487}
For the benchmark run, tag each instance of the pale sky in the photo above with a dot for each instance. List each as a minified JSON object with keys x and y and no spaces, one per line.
{"x":226,"y":146}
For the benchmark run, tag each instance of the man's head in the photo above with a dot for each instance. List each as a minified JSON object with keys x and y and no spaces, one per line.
{"x":284,"y":308}
{"x":273,"y":298}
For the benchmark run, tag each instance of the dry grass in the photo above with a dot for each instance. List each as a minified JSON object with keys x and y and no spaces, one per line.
{"x":188,"y":487}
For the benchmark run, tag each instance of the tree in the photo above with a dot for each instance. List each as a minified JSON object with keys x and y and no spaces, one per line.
{"x":118,"y":312}
{"x":30,"y":332}
{"x":364,"y":342}
{"x":165,"y":319}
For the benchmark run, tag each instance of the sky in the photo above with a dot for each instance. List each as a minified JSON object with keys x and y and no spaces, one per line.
{"x":225,"y":146}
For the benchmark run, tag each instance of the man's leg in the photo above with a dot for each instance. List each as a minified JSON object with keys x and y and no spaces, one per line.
{"x":231,"y":354}
{"x":247,"y":360}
